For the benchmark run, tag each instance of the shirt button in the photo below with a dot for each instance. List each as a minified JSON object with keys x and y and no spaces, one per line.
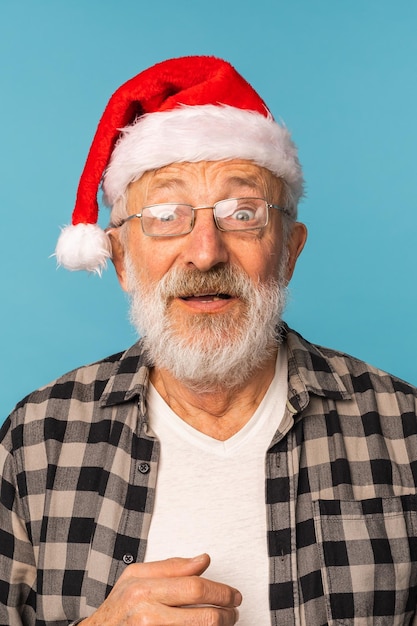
{"x":144,"y":468}
{"x":128,"y":559}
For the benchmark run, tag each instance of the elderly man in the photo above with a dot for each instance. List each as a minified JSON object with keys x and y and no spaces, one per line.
{"x":223,"y":469}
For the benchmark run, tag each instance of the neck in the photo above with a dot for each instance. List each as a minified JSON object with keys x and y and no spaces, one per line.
{"x":220,"y":412}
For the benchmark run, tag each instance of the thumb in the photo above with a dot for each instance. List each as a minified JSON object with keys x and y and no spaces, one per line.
{"x":169,"y":568}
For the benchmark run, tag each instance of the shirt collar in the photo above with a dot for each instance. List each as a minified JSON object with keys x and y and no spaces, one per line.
{"x":310,"y":371}
{"x":129,"y":378}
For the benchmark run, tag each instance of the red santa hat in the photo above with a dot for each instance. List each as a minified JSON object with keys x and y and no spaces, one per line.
{"x":187,"y":109}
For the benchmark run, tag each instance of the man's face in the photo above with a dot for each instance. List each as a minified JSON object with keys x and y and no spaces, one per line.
{"x":214,"y":307}
{"x":257,"y":253}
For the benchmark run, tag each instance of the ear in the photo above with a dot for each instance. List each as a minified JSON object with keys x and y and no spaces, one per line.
{"x":297,"y":239}
{"x":118,"y":256}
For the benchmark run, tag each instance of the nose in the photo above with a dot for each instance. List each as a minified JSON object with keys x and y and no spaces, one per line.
{"x":205,"y":246}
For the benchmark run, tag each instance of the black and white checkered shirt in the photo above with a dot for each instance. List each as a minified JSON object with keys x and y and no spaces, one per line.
{"x":78,"y":472}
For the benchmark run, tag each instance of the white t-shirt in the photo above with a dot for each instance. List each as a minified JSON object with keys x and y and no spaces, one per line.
{"x":210,"y":496}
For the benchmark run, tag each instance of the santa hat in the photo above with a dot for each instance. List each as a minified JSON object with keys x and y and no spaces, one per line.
{"x":187,"y":109}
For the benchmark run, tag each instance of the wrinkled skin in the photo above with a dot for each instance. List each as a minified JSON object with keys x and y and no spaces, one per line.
{"x":166,"y":593}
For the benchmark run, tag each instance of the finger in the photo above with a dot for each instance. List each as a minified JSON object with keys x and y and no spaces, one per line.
{"x":168,"y":568}
{"x":187,"y":616}
{"x":190,"y":590}
{"x":205,"y":615}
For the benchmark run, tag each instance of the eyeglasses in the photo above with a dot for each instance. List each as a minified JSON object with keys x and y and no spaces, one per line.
{"x":172,"y":219}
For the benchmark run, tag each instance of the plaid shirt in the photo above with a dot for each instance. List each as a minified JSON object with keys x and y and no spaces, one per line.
{"x":78,"y":468}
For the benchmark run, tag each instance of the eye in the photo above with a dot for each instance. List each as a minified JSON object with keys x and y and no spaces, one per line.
{"x":240,"y":213}
{"x":162,"y":213}
{"x":244,"y":214}
{"x":167,"y":219}
{"x":246,"y":210}
{"x":168,"y":216}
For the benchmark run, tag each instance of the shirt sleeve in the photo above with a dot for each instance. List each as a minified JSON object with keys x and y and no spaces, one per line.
{"x":17,"y":558}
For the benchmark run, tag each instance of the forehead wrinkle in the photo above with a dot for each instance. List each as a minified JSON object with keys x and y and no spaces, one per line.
{"x":173,"y":183}
{"x":167,"y":183}
{"x":269,"y":185}
{"x":155,"y":180}
{"x":259,"y":182}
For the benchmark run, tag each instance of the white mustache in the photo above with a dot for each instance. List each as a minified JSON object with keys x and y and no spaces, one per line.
{"x":222,"y":282}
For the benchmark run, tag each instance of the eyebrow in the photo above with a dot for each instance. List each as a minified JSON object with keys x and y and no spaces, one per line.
{"x":247,"y":181}
{"x":168,"y":183}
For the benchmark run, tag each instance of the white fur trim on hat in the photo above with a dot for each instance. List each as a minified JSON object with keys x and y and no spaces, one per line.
{"x":83,"y":247}
{"x":201,"y":133}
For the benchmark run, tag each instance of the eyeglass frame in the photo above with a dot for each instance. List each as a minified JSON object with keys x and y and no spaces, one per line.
{"x":213,"y":207}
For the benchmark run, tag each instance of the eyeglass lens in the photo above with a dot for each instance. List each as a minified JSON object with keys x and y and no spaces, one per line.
{"x":233,"y":214}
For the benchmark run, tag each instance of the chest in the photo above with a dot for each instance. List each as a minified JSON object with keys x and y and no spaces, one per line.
{"x":340,"y":523}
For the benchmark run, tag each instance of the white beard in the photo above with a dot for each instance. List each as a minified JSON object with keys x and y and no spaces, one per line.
{"x":208,"y":351}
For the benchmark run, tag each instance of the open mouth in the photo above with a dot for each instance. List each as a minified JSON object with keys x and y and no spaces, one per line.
{"x":207,"y":297}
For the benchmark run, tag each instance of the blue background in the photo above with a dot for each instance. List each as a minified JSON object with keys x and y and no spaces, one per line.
{"x":342,"y":75}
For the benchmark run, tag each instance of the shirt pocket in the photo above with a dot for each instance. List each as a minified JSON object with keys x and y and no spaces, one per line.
{"x":368,"y":558}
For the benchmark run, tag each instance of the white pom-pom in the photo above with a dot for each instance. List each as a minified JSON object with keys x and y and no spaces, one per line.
{"x":83,"y":247}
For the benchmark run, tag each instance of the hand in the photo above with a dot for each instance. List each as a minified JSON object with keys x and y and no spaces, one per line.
{"x":168,"y":592}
